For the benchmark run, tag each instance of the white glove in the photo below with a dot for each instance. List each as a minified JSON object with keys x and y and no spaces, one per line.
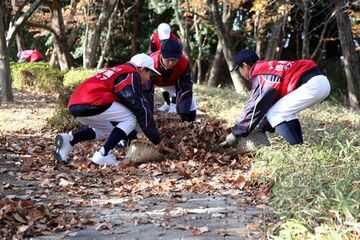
{"x":229,"y":141}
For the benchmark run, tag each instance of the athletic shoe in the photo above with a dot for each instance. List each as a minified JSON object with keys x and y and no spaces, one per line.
{"x":63,"y":147}
{"x":108,"y":160}
{"x":172,"y":108}
{"x":164,"y":108}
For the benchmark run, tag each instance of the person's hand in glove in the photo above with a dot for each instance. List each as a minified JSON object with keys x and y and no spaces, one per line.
{"x":229,"y":141}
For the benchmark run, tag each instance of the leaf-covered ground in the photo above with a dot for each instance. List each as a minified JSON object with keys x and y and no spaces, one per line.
{"x":199,"y":194}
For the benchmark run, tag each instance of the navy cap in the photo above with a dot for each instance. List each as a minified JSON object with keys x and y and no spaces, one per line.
{"x":171,"y":49}
{"x":246,"y":55}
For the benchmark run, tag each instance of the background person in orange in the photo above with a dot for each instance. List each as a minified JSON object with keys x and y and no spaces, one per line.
{"x":29,"y":56}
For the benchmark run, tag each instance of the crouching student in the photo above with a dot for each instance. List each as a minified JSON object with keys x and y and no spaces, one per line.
{"x":279,"y":91}
{"x":111,"y":104}
{"x":175,"y":77}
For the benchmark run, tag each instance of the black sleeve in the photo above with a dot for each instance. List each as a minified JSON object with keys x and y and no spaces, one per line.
{"x":263,"y":96}
{"x":184,"y":91}
{"x":148,"y":94}
{"x":131,"y":97}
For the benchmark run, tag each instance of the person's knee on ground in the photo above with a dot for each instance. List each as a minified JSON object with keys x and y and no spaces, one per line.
{"x":289,"y":133}
{"x":188,"y":117}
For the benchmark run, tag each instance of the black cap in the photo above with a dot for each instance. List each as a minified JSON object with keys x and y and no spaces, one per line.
{"x":246,"y":55}
{"x":171,"y":49}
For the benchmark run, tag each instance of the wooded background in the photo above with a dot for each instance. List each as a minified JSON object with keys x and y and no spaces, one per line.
{"x":98,"y":34}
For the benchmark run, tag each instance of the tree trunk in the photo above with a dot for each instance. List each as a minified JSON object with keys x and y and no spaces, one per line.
{"x":107,"y":42}
{"x":275,"y":45}
{"x":60,"y":42}
{"x":20,"y":18}
{"x":198,"y":38}
{"x":91,"y":49}
{"x":224,"y":39}
{"x":5,"y":76}
{"x":351,"y":61}
{"x":135,"y":28}
{"x":184,"y":28}
{"x":216,"y":66}
{"x":306,"y":24}
{"x":19,"y":35}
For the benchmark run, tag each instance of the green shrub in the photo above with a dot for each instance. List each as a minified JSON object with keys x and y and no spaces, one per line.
{"x":62,"y":119}
{"x":39,"y":75}
{"x":75,"y":76}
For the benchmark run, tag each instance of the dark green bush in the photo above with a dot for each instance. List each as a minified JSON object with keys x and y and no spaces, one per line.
{"x":39,"y":76}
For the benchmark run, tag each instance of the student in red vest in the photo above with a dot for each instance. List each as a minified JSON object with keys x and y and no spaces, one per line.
{"x":163,"y":34}
{"x":175,"y":77}
{"x":29,"y":56}
{"x":111,"y":104}
{"x":279,"y":91}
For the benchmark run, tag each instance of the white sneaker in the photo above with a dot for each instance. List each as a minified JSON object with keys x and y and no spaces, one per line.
{"x":63,"y":147}
{"x":100,"y":159}
{"x":172,"y":108}
{"x":164,"y":108}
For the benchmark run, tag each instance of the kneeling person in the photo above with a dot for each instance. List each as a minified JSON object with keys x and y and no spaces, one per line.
{"x":111,"y":104}
{"x":175,"y":77}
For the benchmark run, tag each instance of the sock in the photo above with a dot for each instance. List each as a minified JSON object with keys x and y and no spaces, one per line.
{"x":83,"y":135}
{"x":115,"y":136}
{"x":166,"y":96}
{"x":288,"y":133}
{"x":295,"y":124}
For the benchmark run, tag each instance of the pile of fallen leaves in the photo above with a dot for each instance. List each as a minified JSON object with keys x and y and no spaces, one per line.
{"x":19,"y":219}
{"x":197,"y":140}
{"x":198,"y":168}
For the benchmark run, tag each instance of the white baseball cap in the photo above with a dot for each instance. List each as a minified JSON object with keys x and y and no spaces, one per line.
{"x":143,"y":60}
{"x":164,"y":31}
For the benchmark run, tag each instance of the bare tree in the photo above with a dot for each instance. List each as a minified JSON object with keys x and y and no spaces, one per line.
{"x":20,"y":17}
{"x":224,"y":38}
{"x":183,"y":26}
{"x":216,"y":64}
{"x":199,"y":41}
{"x":5,"y":77}
{"x":60,"y":43}
{"x":106,"y":45}
{"x":351,"y":60}
{"x":20,"y":43}
{"x":92,"y":36}
{"x":275,"y":45}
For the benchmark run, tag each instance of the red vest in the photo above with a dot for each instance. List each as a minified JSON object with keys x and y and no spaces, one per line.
{"x":31,"y":55}
{"x":289,"y":72}
{"x":99,"y":89}
{"x":176,"y":72}
{"x":157,"y":41}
